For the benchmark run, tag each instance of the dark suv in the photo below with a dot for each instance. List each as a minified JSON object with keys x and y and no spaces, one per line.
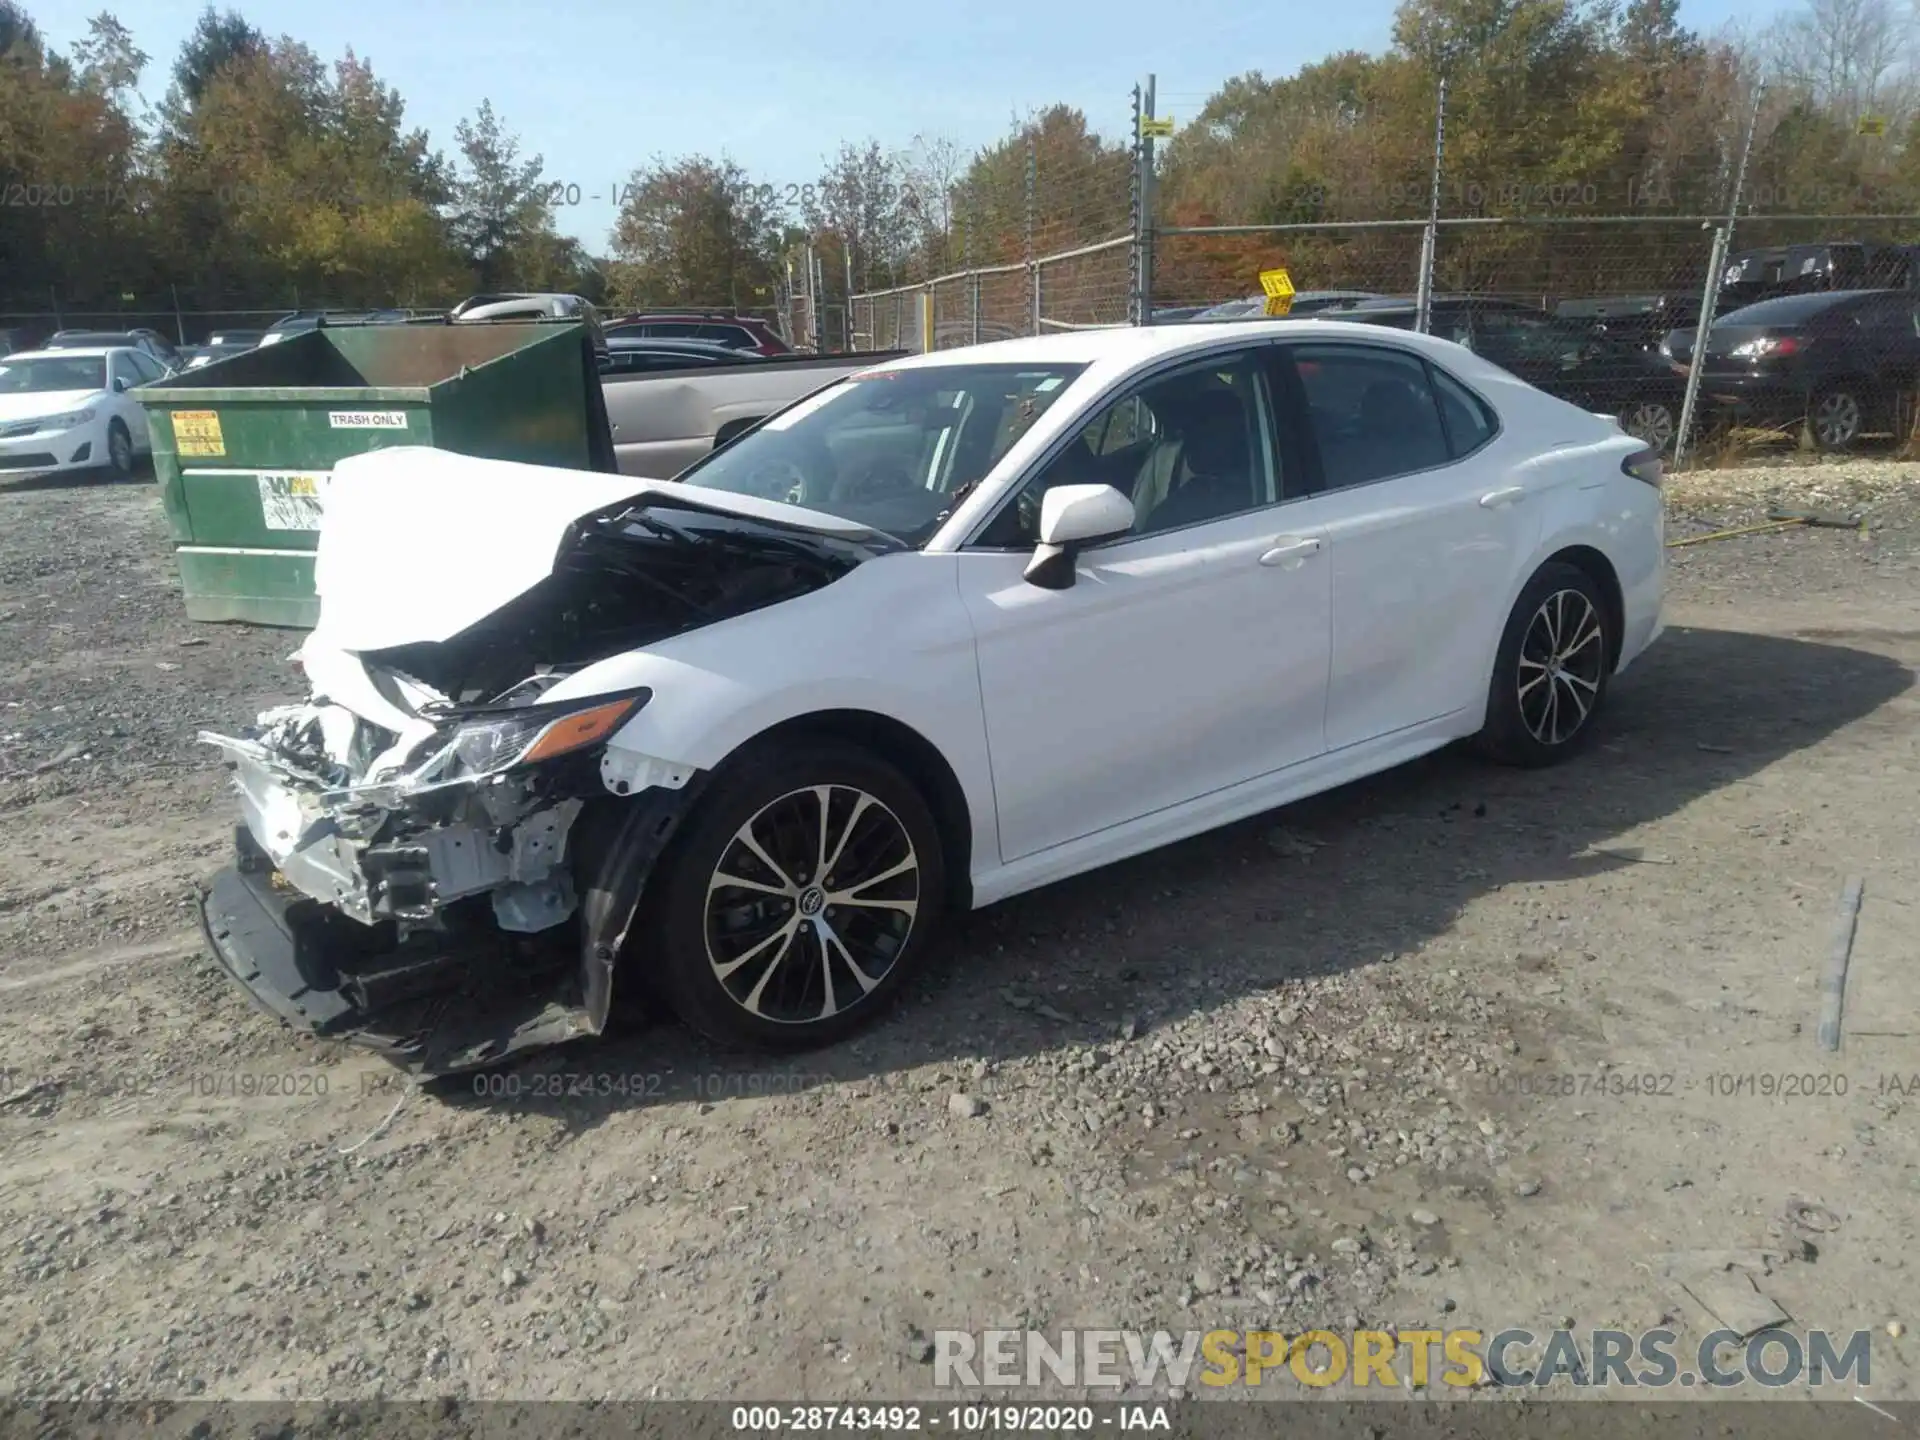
{"x":1838,"y":359}
{"x":1566,"y":358}
{"x":720,"y":327}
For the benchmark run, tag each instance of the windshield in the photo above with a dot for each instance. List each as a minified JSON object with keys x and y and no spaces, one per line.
{"x":891,"y":450}
{"x":53,"y":372}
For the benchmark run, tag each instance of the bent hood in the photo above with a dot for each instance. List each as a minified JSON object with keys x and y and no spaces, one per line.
{"x":417,"y":544}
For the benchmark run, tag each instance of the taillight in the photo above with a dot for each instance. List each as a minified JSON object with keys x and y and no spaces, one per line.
{"x":1767,"y":347}
{"x":1644,"y":465}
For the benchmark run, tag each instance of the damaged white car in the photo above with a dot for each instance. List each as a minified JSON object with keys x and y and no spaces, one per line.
{"x":944,"y":632}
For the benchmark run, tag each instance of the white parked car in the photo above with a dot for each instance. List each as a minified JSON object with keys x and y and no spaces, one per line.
{"x":73,"y":409}
{"x":953,"y":628}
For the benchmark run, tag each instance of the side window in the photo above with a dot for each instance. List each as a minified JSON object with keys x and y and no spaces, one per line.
{"x":731,"y":336}
{"x":1186,"y":448}
{"x":147,"y":368}
{"x":1469,"y":422}
{"x":673,"y":330}
{"x":1372,"y":412}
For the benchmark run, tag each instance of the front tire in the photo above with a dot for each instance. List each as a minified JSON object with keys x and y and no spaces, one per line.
{"x":799,"y":897}
{"x":119,"y":450}
{"x":1550,"y":675}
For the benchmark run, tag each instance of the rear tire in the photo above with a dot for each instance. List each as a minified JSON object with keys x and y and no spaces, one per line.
{"x":754,"y":944}
{"x":1836,"y":417}
{"x":1550,"y":675}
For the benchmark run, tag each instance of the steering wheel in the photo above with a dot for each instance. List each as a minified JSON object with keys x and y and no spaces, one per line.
{"x":790,"y":469}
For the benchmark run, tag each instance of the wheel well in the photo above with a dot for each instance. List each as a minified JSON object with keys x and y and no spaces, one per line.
{"x":726,"y":433}
{"x":1599,"y":569}
{"x":917,"y":758}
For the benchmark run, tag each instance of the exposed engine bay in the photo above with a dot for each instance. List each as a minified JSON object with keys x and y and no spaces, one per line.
{"x":431,"y":793}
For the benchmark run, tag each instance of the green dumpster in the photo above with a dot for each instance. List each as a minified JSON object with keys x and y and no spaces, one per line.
{"x":243,"y":448}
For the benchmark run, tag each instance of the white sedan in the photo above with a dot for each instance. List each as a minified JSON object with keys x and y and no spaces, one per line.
{"x":953,"y":628}
{"x":73,"y":410}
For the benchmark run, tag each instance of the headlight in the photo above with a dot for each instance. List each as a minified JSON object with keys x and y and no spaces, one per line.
{"x":505,"y":741}
{"x":64,"y":422}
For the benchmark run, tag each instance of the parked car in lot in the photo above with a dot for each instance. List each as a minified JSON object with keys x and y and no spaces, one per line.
{"x":69,"y":409}
{"x":665,"y":416}
{"x":953,"y":628}
{"x":627,"y":355}
{"x":302,"y":321}
{"x":151,"y":342}
{"x":1305,"y":302}
{"x":1754,"y":275}
{"x":196,"y":357}
{"x":738,"y":332}
{"x":1563,"y":357}
{"x":1839,"y":360}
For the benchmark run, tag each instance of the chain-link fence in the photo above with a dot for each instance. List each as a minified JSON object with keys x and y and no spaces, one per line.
{"x":1044,"y":229}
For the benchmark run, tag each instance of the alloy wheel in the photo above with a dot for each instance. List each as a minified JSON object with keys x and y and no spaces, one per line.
{"x":1836,"y":419}
{"x":1651,"y":421}
{"x":811,"y":903}
{"x":120,"y":449}
{"x":1562,"y":663}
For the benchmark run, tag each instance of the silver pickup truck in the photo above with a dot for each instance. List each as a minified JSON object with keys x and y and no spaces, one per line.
{"x":665,"y":419}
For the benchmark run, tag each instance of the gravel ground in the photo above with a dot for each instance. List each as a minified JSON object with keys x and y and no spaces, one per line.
{"x":1454,"y":1046}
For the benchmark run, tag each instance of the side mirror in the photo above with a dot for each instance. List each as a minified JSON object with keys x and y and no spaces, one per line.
{"x":119,"y":384}
{"x":1072,"y":516}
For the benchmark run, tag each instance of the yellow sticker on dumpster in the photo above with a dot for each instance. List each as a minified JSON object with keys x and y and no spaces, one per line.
{"x":197,"y":432}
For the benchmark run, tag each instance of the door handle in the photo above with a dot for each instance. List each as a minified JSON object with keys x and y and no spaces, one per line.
{"x":1512,"y":495}
{"x":1291,"y":549}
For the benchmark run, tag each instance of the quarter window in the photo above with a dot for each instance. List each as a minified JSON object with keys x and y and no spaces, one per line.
{"x":1470,"y":423}
{"x":1372,"y":412}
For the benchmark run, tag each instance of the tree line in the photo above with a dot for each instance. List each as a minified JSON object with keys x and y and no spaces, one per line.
{"x":266,"y":173}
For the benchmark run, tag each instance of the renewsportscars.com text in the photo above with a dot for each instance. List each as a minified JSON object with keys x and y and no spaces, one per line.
{"x":1410,"y":1358}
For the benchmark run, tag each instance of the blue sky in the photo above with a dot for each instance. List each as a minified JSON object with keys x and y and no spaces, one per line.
{"x":600,"y":88}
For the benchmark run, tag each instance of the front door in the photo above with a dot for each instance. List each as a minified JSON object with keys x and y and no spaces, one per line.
{"x":1189,"y":655}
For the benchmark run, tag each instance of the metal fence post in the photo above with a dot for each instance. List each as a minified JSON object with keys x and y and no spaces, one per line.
{"x":1430,"y":240}
{"x":1141,"y":299}
{"x":1709,"y":302}
{"x":973,"y":305}
{"x":1710,"y":295}
{"x":1033,"y":265}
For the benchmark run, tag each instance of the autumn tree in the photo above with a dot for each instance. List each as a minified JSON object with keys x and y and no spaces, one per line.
{"x":501,"y":217}
{"x":696,"y":231}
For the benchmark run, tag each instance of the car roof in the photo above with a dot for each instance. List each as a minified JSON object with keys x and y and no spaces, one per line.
{"x":1127,"y":345}
{"x":71,"y":352}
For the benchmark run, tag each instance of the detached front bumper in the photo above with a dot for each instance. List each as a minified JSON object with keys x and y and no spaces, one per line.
{"x":436,"y":1002}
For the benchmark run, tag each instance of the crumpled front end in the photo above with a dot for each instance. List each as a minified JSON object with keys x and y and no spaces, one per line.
{"x":404,"y":848}
{"x":414,"y":885}
{"x":438,"y":859}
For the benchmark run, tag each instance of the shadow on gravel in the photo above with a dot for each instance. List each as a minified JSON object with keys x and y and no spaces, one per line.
{"x":1333,"y":883}
{"x":142,"y":474}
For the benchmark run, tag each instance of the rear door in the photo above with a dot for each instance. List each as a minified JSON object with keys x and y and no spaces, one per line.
{"x":1425,"y":528}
